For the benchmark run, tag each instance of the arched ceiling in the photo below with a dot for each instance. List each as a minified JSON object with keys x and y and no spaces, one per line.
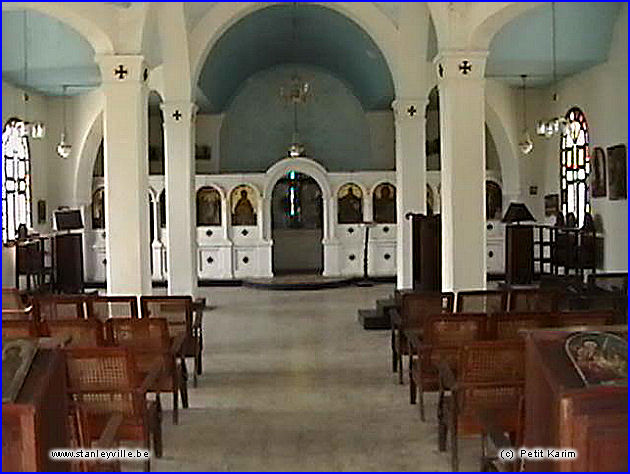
{"x":523,"y":46}
{"x":324,"y":38}
{"x":57,"y":55}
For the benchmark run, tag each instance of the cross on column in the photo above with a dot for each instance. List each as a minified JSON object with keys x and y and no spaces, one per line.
{"x":412,"y":111}
{"x":177,"y":115}
{"x":121,"y":72}
{"x":465,"y":67}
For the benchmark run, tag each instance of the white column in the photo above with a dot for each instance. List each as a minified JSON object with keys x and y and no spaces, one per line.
{"x":462,"y":127}
{"x":179,"y":130}
{"x":126,"y":174}
{"x":156,"y":245}
{"x":410,"y":179}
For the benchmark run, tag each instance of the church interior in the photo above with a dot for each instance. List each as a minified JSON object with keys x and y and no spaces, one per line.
{"x":314,"y":236}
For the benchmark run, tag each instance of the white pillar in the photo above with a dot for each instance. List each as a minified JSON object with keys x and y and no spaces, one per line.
{"x":179,"y":129}
{"x":462,"y":127}
{"x":126,"y":174}
{"x":410,"y":179}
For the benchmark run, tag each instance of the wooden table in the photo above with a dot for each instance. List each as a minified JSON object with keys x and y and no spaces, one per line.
{"x":560,"y":411}
{"x":36,"y":422}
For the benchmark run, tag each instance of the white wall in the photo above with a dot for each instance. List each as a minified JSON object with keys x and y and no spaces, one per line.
{"x":602,"y":94}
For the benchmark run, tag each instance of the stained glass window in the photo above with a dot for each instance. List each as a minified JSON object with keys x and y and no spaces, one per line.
{"x":16,"y":179}
{"x":575,"y":166}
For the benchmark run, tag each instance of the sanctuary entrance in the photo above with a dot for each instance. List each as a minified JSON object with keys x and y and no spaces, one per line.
{"x":297,"y":225}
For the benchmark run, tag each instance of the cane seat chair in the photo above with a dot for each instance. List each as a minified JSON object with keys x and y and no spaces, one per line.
{"x":75,"y":332}
{"x":13,"y":306}
{"x":16,"y":329}
{"x":443,"y":335}
{"x":533,"y":300}
{"x":178,"y":311}
{"x":106,"y":307}
{"x":104,"y":381}
{"x":481,"y":301}
{"x":148,"y":339}
{"x":60,"y":307}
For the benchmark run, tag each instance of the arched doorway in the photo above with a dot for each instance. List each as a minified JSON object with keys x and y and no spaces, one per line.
{"x":297,"y":225}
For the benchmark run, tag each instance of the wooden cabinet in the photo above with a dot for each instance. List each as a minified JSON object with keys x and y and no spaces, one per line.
{"x":561,"y":412}
{"x":36,"y":422}
{"x":427,"y":252}
{"x":519,"y":254}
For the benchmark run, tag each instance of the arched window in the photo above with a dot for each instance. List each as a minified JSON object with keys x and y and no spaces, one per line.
{"x":16,"y":179}
{"x":575,"y":166}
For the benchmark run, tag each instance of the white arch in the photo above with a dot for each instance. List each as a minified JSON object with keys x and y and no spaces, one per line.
{"x":86,"y":158}
{"x":492,"y":18}
{"x":382,"y":181}
{"x":225,"y":14}
{"x":87,"y":21}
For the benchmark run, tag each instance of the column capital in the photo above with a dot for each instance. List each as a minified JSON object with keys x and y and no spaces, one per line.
{"x":179,"y":111}
{"x":123,"y":68}
{"x":460,"y":64}
{"x":409,"y":108}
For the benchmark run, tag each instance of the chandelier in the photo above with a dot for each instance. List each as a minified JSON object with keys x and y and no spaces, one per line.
{"x":63,"y":147}
{"x":295,"y":93}
{"x":556,"y":125}
{"x":525,"y":144}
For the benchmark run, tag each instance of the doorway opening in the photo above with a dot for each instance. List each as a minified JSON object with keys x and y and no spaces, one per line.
{"x":297,"y":225}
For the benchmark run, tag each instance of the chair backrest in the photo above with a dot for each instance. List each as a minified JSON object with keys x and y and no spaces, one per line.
{"x":415,"y":306}
{"x":19,"y":329}
{"x":492,"y":362}
{"x":106,"y":307}
{"x":454,"y":329}
{"x":60,"y":307}
{"x":481,"y":301}
{"x":78,"y":332}
{"x":104,"y":380}
{"x":177,"y":310}
{"x":583,"y":318}
{"x":533,"y":300}
{"x":508,"y":325}
{"x":146,"y":334}
{"x":11,"y":299}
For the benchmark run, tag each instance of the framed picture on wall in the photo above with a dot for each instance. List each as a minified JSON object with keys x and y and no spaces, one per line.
{"x":617,"y":172}
{"x":598,"y":175}
{"x":552,"y":204}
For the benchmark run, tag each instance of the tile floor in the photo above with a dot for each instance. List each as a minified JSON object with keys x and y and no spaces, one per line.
{"x":292,"y":382}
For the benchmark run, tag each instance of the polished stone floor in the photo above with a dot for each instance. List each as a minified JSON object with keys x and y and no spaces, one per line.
{"x":292,"y":382}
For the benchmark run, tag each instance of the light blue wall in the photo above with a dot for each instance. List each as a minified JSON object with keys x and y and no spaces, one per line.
{"x":258,"y":125}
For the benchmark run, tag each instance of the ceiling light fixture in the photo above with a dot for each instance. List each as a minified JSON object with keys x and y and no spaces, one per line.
{"x":556,"y":125}
{"x":525,"y":144}
{"x":64,"y":148}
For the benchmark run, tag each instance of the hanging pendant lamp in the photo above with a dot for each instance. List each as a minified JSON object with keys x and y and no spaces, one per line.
{"x":63,"y":147}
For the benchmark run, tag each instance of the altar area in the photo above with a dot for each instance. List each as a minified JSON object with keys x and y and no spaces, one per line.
{"x":294,"y":218}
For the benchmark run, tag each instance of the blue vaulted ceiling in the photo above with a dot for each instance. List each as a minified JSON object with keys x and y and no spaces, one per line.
{"x":57,"y":55}
{"x":523,"y":46}
{"x":324,"y":38}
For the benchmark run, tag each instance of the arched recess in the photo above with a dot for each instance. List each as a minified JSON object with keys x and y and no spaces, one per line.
{"x":507,"y":151}
{"x":87,"y":23}
{"x":225,"y":14}
{"x":300,"y":165}
{"x":87,"y":155}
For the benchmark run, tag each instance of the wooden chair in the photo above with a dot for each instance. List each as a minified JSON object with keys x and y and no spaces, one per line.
{"x":178,"y":311}
{"x":149,"y":340}
{"x":104,"y":381}
{"x":508,"y":325}
{"x":490,"y":377}
{"x":532,"y":300}
{"x":56,"y":307}
{"x":19,"y":329}
{"x":106,"y":307}
{"x":77,"y":332}
{"x":481,"y":301}
{"x":81,"y":436}
{"x":413,"y":309}
{"x":13,"y":306}
{"x":443,"y":334}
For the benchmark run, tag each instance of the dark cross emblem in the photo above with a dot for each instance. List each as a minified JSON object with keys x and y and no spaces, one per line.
{"x":441,"y":70}
{"x":145,"y":74}
{"x":465,"y":67}
{"x":121,"y":72}
{"x":412,"y":111}
{"x":177,"y":115}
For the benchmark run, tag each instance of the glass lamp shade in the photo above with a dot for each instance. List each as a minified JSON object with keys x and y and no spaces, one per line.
{"x":517,"y":212}
{"x":525,"y":144}
{"x":37,"y":130}
{"x":549,"y":129}
{"x":63,"y":148}
{"x":541,"y":128}
{"x":296,"y":149}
